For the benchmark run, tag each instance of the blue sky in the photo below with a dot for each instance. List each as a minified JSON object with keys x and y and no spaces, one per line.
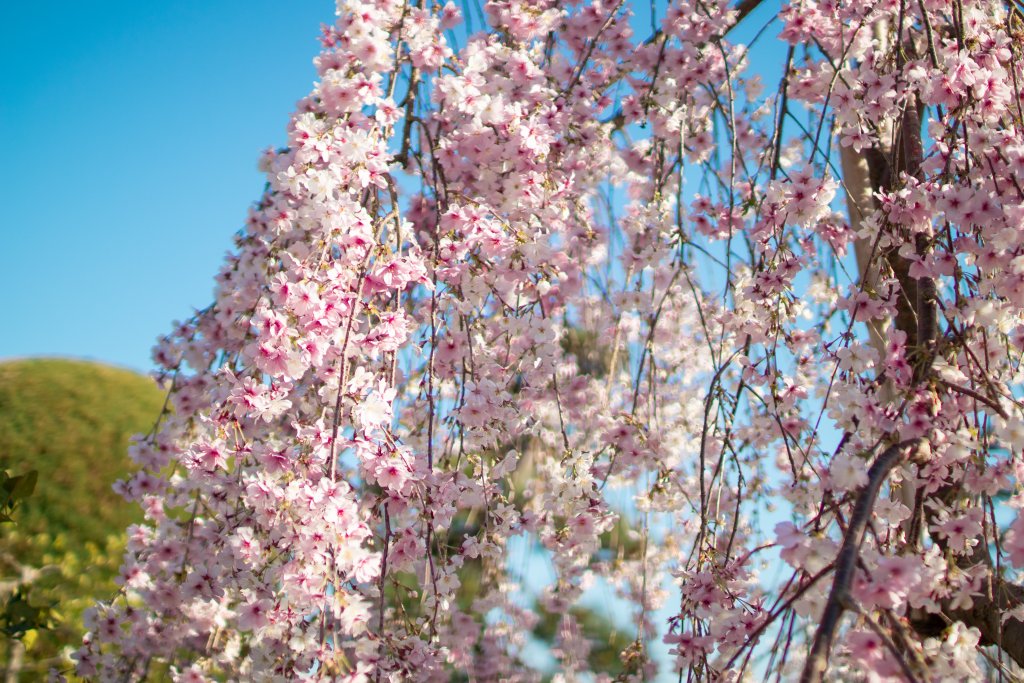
{"x":132,"y":131}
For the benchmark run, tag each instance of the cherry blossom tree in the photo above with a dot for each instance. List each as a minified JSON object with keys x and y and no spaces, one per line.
{"x":551,"y":280}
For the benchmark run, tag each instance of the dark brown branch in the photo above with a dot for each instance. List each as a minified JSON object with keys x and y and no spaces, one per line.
{"x":846,"y":562}
{"x":998,"y":597}
{"x":743,"y":8}
{"x":916,"y":313}
{"x":966,"y":391}
{"x":985,"y":615}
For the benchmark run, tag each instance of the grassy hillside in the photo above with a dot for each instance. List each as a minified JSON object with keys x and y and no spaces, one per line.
{"x":71,"y":421}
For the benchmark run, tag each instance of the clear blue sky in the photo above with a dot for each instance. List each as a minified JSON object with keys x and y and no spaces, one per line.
{"x":131,"y":133}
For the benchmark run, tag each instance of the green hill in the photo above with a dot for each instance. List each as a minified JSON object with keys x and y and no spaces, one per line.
{"x":71,"y":421}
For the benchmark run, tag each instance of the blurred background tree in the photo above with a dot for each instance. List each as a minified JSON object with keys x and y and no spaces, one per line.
{"x":70,"y":421}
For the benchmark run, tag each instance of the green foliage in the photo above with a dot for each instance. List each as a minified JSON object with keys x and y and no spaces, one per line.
{"x":19,"y":616}
{"x":14,"y":490}
{"x":69,"y":422}
{"x":66,"y":583}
